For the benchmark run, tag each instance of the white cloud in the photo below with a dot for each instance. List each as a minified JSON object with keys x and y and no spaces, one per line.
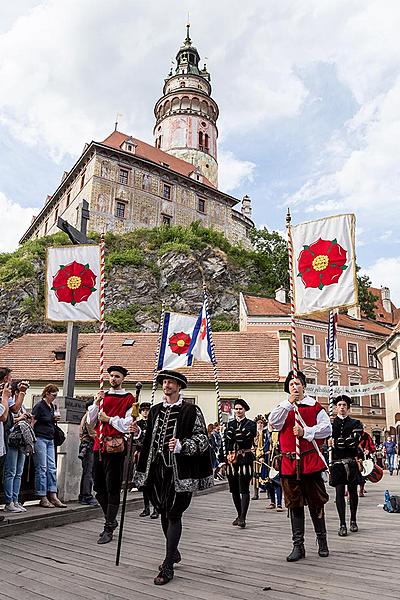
{"x":14,"y":221}
{"x":385,"y":272}
{"x":233,"y":171}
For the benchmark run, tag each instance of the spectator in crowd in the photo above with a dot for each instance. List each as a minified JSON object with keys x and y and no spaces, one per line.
{"x":44,"y":456}
{"x":390,"y":450}
{"x":15,"y":457}
{"x":213,"y":449}
{"x":87,"y":436}
{"x":5,"y":394}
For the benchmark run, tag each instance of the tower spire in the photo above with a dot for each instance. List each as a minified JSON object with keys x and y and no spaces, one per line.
{"x":188,"y":41}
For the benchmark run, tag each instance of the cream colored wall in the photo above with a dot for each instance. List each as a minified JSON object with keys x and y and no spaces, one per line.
{"x":392,"y":400}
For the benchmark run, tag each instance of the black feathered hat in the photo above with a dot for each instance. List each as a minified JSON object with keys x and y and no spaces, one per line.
{"x":122,"y":370}
{"x":243,"y":403}
{"x":300,"y":376}
{"x":179,"y":377}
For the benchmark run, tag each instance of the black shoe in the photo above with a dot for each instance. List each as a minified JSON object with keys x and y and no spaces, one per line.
{"x":105,"y":537}
{"x":145,"y":512}
{"x":177,"y":559}
{"x":323,"y":549}
{"x":165,"y":575}
{"x":154,"y":514}
{"x":236,"y":521}
{"x":342,"y":531}
{"x":241,"y":523}
{"x":297,"y":553}
{"x":353,"y":526}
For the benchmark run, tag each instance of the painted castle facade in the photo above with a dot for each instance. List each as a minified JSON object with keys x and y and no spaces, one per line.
{"x":130,"y":184}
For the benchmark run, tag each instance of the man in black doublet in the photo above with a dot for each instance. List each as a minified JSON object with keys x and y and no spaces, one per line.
{"x":239,"y":440}
{"x":174,"y":462}
{"x":346,"y":434}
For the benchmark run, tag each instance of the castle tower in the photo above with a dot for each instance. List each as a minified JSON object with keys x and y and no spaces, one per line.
{"x":186,"y":115}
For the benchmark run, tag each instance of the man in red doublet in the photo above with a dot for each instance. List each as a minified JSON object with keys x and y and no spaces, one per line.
{"x":309,"y":489}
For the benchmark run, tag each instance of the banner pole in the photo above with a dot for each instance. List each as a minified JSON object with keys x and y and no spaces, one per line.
{"x":293,"y":336}
{"x":102,"y":329}
{"x":157,"y":353}
{"x":331,"y":346}
{"x":214,"y":364}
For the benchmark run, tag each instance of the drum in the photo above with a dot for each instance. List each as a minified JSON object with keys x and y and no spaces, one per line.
{"x":376,"y":474}
{"x":274,"y":475}
{"x":368,"y":467}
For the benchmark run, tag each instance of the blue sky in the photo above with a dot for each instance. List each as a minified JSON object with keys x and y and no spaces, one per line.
{"x":309,"y":97}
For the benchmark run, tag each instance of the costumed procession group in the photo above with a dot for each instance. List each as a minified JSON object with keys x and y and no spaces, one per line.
{"x":174,"y":459}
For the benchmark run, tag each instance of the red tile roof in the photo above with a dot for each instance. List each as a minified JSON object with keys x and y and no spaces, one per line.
{"x":263,"y":307}
{"x":382,"y":315}
{"x":242,"y":357}
{"x":144,"y":150}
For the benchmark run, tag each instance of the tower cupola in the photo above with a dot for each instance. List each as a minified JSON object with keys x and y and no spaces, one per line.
{"x":186,"y":115}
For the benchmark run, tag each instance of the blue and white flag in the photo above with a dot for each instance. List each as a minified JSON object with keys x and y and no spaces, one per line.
{"x":200,"y":347}
{"x":175,"y":340}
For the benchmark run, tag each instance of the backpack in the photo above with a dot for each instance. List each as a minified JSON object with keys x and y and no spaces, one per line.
{"x":392,"y":503}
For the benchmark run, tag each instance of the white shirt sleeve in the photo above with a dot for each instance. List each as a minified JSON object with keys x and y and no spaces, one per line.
{"x":92,"y":414}
{"x":122,"y":423}
{"x":2,"y":409}
{"x":178,"y":447}
{"x":278,"y":414}
{"x":321,"y":430}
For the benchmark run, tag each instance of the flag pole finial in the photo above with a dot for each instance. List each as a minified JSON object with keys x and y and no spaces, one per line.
{"x":288,"y":218}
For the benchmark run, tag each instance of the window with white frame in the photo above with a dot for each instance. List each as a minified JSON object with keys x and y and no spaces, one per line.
{"x":337,"y":354}
{"x":310,"y":348}
{"x":352,"y":353}
{"x":123,"y":176}
{"x":375,"y":400}
{"x":356,"y":400}
{"x":120,"y":209}
{"x":372,"y":362}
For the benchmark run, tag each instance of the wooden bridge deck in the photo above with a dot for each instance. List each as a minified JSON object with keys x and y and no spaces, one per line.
{"x":219,"y":561}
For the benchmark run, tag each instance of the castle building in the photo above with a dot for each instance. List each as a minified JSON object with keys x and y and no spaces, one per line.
{"x":130,"y":184}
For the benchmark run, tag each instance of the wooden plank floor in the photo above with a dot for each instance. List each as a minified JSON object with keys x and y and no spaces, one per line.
{"x":219,"y":561}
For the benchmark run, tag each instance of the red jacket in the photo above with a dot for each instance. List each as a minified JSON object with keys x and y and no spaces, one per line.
{"x":309,"y":462}
{"x":114,"y":405}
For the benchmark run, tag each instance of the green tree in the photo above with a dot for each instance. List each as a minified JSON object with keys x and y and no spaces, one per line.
{"x":366,"y":299}
{"x":270,"y":260}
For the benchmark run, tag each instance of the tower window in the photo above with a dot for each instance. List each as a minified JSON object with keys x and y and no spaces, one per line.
{"x":200,"y":140}
{"x":120,"y":210}
{"x":123,"y":176}
{"x":201,"y":205}
{"x":166,"y":191}
{"x":182,"y":84}
{"x":206,"y":148}
{"x":166,"y":220}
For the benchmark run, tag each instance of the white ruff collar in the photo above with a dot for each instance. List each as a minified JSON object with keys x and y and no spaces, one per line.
{"x":177,"y":403}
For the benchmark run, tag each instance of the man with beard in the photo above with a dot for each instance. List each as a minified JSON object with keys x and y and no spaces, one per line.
{"x":111,"y":424}
{"x":174,"y":462}
{"x":346,"y":436}
{"x":308,"y":488}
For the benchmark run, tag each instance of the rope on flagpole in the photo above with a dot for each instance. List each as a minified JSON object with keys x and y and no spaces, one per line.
{"x":102,"y":327}
{"x":293,"y":335}
{"x":157,"y":353}
{"x":331,"y":346}
{"x":214,"y":363}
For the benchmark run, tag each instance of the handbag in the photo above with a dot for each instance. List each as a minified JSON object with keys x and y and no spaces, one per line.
{"x":59,"y":436}
{"x":114,"y":445}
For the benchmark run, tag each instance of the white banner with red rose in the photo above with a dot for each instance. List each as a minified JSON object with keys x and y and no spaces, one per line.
{"x":73,"y":283}
{"x":175,"y":340}
{"x":324,"y":264}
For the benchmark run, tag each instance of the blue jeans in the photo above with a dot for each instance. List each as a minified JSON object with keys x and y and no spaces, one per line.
{"x":13,"y":468}
{"x":45,"y":467}
{"x":390,"y":461}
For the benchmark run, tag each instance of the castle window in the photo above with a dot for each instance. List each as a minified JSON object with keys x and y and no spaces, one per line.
{"x":146,"y":182}
{"x":182,"y":84}
{"x":123,"y":176}
{"x":201,"y":205}
{"x":56,"y":216}
{"x":200,"y":140}
{"x":82,"y":180}
{"x":206,"y":148}
{"x":68,"y":200}
{"x":46,"y":224}
{"x":166,"y":191}
{"x":120,"y":209}
{"x":166,"y":220}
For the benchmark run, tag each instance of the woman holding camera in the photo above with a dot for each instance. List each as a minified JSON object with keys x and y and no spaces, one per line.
{"x":15,"y":457}
{"x":45,"y":466}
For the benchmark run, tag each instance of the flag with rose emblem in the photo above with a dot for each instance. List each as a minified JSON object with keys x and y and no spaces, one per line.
{"x":175,"y":340}
{"x":324,"y":264}
{"x":73,"y":283}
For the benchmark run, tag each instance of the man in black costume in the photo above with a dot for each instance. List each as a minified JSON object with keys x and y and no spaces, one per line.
{"x":174,"y":462}
{"x":346,"y":435}
{"x":239,"y":437}
{"x":144,"y":410}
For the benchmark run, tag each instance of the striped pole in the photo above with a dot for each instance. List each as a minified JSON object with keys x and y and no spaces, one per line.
{"x":157,"y":353}
{"x":102,"y":327}
{"x":214,"y":364}
{"x":293,"y":337}
{"x":331,"y":355}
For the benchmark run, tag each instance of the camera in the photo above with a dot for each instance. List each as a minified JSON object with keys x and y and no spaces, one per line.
{"x":84,"y":447}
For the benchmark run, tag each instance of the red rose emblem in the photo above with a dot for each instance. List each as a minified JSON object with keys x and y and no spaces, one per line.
{"x":321,"y":263}
{"x":74,"y":283}
{"x":179,"y":342}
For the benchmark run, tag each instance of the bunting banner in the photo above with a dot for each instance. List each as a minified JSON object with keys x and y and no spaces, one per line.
{"x":175,"y":340}
{"x":73,"y":283}
{"x":364,"y":389}
{"x":200,"y":346}
{"x":324,"y":264}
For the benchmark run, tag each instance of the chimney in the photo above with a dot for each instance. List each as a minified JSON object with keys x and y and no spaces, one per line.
{"x":385,"y":295}
{"x":280,"y":295}
{"x":355,"y":312}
